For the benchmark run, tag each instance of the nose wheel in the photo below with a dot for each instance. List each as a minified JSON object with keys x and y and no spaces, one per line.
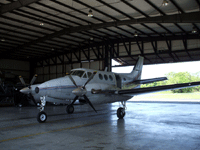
{"x":41,"y":117}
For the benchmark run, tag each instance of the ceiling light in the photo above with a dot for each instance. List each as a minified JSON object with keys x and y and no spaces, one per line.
{"x":135,"y":34}
{"x":90,"y":14}
{"x":165,"y":3}
{"x":194,"y":30}
{"x":91,"y":38}
{"x":3,"y":40}
{"x":41,"y":24}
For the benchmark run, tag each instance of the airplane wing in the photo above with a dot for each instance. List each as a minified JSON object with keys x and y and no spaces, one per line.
{"x":140,"y":91}
{"x":145,"y":81}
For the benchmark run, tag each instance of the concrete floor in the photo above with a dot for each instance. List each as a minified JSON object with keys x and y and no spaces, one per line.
{"x":154,"y":126}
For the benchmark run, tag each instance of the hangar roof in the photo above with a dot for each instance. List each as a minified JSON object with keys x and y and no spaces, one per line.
{"x":37,"y":29}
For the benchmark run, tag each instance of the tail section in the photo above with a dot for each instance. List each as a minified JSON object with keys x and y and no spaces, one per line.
{"x":126,"y":78}
{"x":137,"y":70}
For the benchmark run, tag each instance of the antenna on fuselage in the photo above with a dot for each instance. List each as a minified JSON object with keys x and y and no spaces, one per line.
{"x":106,"y":69}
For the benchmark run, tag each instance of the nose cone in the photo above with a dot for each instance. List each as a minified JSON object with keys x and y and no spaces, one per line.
{"x":25,"y":90}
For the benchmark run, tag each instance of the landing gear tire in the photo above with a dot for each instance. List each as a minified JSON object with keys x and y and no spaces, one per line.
{"x":41,"y":117}
{"x":120,"y":113}
{"x":70,"y":109}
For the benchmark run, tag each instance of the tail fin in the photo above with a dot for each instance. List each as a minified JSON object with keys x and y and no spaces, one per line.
{"x":137,"y":70}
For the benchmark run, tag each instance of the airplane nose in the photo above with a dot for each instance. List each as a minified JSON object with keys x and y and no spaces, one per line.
{"x":25,"y":90}
{"x":37,"y":90}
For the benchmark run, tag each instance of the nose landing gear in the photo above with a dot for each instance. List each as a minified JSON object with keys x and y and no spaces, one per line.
{"x":42,"y":116}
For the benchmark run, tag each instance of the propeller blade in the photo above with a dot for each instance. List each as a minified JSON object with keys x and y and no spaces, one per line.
{"x":33,"y":79}
{"x":87,"y":100}
{"x":22,"y":80}
{"x":74,"y":100}
{"x":72,"y":80}
{"x":91,"y":77}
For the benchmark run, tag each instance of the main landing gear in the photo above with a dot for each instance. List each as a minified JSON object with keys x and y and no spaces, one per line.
{"x":121,"y":110}
{"x":70,"y":109}
{"x":42,"y":116}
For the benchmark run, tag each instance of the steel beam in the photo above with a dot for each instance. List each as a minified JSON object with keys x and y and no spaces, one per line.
{"x":15,"y":5}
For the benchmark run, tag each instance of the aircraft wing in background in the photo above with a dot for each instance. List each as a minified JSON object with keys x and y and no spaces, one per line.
{"x":145,"y":81}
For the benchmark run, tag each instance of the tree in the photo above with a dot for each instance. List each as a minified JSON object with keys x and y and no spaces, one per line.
{"x":177,"y":78}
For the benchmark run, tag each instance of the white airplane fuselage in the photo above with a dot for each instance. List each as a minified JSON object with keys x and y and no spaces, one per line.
{"x":61,"y":88}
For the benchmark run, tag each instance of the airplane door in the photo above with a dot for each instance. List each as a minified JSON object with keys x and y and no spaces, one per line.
{"x":119,"y":81}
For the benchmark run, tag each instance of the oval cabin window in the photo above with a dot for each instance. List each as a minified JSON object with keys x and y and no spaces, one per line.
{"x":100,"y":77}
{"x":110,"y":77}
{"x":106,"y":77}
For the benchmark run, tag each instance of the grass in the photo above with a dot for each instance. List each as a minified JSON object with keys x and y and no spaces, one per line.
{"x":168,"y":95}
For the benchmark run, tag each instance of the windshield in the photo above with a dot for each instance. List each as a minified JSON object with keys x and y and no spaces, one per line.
{"x":77,"y":73}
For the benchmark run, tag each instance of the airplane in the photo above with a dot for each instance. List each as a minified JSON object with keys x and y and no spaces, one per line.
{"x":99,"y":87}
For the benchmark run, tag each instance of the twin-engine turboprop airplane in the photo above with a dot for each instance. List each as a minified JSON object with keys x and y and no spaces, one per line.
{"x":98,"y":87}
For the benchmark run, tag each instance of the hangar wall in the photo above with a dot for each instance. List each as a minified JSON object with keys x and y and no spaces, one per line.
{"x":53,"y":71}
{"x":58,"y":66}
{"x":14,"y":68}
{"x":98,"y":57}
{"x":170,"y":51}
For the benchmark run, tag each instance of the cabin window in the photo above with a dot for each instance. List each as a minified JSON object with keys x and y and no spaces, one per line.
{"x":110,"y":77}
{"x":78,"y":73}
{"x":85,"y":76}
{"x":89,"y":74}
{"x":105,"y":77}
{"x":100,"y":77}
{"x":124,"y":79}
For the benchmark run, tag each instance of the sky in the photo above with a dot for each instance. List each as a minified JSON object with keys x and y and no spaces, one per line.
{"x":160,"y":70}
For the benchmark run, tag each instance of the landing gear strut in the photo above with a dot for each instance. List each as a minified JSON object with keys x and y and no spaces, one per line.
{"x":42,"y":116}
{"x":121,"y":110}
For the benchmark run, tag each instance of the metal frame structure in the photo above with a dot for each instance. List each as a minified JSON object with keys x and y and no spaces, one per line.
{"x":58,"y":32}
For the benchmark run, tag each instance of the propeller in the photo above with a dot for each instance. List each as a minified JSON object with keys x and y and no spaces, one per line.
{"x":29,"y":95}
{"x":81,"y":91}
{"x":31,"y":83}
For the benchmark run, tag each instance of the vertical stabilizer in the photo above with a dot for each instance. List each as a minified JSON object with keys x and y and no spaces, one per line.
{"x":136,"y":73}
{"x":137,"y":70}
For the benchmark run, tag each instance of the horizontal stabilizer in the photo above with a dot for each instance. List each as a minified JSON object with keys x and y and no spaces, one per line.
{"x":149,"y":80}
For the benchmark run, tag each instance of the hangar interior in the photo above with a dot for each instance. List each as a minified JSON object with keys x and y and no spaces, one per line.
{"x":51,"y":37}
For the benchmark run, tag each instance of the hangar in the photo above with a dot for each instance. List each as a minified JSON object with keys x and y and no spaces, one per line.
{"x":51,"y":37}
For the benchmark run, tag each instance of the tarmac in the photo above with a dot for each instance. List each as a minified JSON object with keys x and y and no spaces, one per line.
{"x":146,"y":126}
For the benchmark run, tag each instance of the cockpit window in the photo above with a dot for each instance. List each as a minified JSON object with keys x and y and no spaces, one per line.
{"x":77,"y":73}
{"x":89,"y":74}
{"x":84,"y":76}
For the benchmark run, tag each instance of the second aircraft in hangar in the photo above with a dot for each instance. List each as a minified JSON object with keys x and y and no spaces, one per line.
{"x":98,"y":87}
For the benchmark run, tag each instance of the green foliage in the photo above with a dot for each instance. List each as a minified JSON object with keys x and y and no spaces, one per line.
{"x":177,"y":78}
